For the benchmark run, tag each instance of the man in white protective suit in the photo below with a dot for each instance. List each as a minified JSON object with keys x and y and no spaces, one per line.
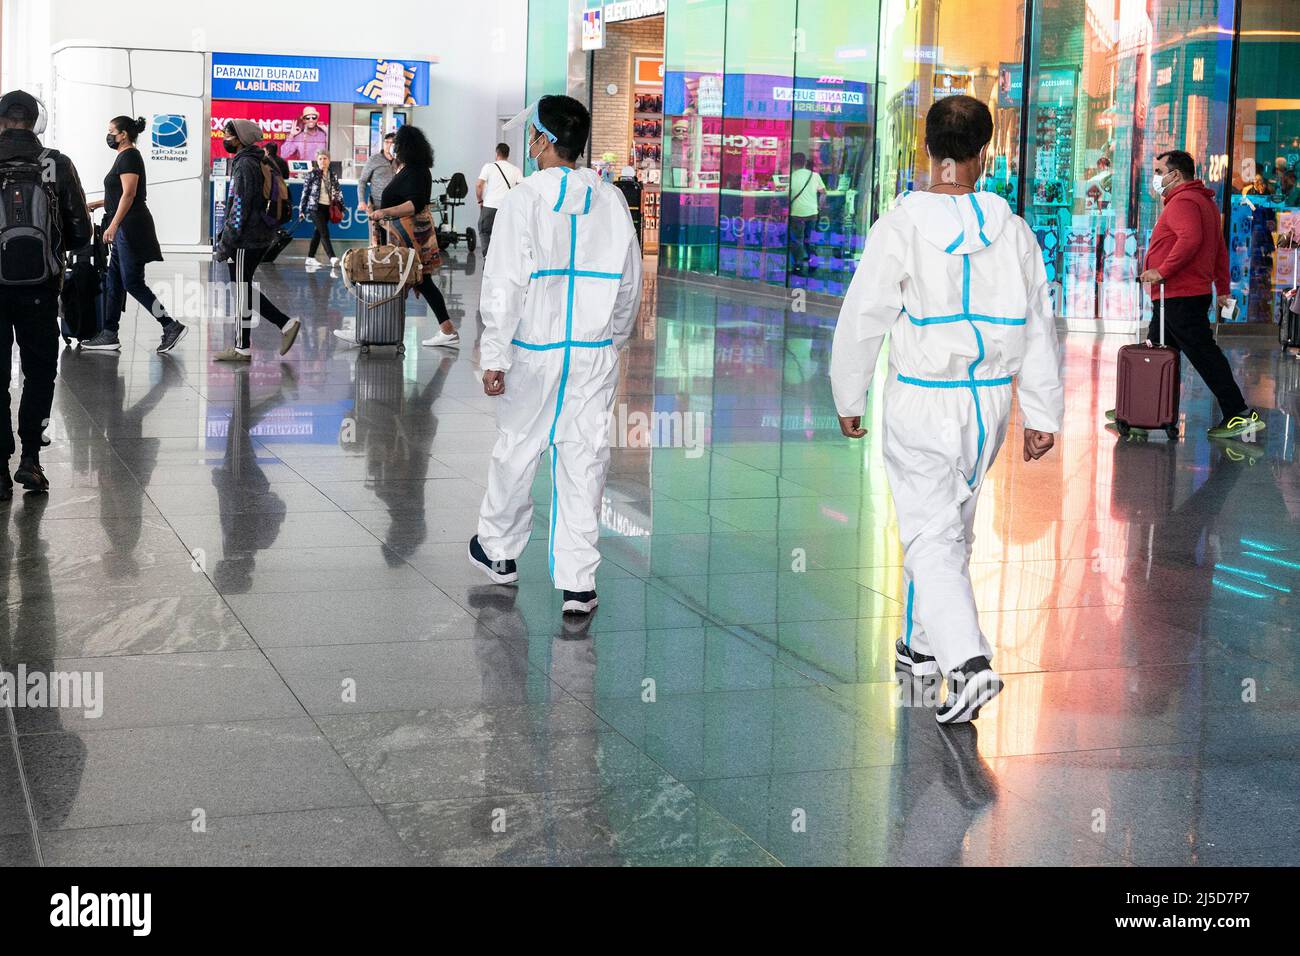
{"x":957,"y":282}
{"x":561,"y":289}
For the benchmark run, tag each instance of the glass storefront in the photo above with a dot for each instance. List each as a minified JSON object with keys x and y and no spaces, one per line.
{"x":790,"y":125}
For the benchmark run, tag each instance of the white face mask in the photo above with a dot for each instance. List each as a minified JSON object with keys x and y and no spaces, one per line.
{"x":1157,"y":183}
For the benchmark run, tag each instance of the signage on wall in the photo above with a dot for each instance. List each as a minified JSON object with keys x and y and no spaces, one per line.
{"x":593,"y":29}
{"x":633,"y":9}
{"x":169,"y":138}
{"x":1011,"y":85}
{"x":327,"y":79}
{"x":277,"y":121}
{"x":649,"y":71}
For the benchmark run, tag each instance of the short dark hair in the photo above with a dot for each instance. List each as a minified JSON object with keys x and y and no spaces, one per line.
{"x":411,"y":147}
{"x":957,"y":128}
{"x":1181,"y":161}
{"x":798,"y":159}
{"x":272,"y":149}
{"x":503,"y":150}
{"x":568,"y":121}
{"x":389,"y":136}
{"x":132,"y":127}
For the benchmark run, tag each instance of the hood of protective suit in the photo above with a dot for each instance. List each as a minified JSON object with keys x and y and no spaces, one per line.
{"x":957,"y":225}
{"x":572,"y":192}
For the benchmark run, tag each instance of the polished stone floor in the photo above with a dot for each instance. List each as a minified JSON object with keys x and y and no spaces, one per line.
{"x":266,"y":566}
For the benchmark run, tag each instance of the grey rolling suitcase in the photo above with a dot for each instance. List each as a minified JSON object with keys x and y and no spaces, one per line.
{"x":381,"y":314}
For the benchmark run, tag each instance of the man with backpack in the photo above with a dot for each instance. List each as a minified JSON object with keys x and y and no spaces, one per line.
{"x":257,"y":205}
{"x":42,"y":215}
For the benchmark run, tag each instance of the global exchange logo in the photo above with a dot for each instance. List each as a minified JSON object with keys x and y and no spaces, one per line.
{"x":170,"y":135}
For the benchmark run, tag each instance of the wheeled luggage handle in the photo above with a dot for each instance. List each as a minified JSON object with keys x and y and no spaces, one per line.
{"x":1162,"y":318}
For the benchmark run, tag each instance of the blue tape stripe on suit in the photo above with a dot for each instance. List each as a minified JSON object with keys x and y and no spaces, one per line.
{"x":564,"y":379}
{"x":954,"y":383}
{"x":591,"y":344}
{"x":911,"y":597}
{"x":979,"y":217}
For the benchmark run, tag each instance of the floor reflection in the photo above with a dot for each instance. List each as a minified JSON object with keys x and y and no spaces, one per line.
{"x":267,"y":565}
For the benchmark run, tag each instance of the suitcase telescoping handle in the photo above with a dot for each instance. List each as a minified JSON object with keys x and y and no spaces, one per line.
{"x":1162,"y":317}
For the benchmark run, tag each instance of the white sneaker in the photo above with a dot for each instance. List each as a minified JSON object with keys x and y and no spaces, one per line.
{"x":311,"y":265}
{"x":443,"y":340}
{"x":334,"y":262}
{"x":346,"y":335}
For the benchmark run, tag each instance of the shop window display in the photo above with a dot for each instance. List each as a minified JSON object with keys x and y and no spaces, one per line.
{"x":833,"y":98}
{"x":1264,"y":235}
{"x":692,"y":141}
{"x":754,"y":201}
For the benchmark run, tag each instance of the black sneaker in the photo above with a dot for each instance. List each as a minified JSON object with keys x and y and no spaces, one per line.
{"x":6,"y":485}
{"x":921,"y":665}
{"x":171,"y":337}
{"x":970,"y":687}
{"x":104,"y":341}
{"x":31,"y":475}
{"x":580,"y":602}
{"x":501,"y":572}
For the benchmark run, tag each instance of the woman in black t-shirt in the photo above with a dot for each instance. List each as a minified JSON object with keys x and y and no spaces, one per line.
{"x":131,"y":238}
{"x":405,"y":214}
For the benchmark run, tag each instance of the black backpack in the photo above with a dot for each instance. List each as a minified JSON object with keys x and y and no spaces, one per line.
{"x":29,"y":222}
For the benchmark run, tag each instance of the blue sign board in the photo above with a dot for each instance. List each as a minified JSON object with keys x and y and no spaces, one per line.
{"x":318,"y":79}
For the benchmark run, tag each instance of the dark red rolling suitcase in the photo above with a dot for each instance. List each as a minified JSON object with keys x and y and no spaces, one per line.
{"x":1147,"y":385}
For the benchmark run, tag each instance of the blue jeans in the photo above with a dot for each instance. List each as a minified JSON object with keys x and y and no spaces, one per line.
{"x":126,"y":274}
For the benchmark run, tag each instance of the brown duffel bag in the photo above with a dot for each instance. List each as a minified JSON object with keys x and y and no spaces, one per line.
{"x":388,"y":264}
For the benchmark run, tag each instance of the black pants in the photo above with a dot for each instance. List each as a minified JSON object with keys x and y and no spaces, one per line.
{"x":1187,"y":329}
{"x":486,"y":216}
{"x":322,"y":233}
{"x":126,"y":276}
{"x":249,"y":300}
{"x":433,"y":295}
{"x":31,"y":317}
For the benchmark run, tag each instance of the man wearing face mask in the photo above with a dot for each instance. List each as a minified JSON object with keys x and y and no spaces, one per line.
{"x":1187,"y":256}
{"x":245,"y":236}
{"x":956,"y":280}
{"x":561,"y":289}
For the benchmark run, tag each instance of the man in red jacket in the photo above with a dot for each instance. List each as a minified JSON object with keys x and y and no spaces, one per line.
{"x":1187,"y":254}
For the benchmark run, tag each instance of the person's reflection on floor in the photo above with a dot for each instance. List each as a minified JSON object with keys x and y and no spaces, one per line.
{"x":943,"y":787}
{"x":251,"y":512}
{"x":54,"y":766}
{"x":121,"y":499}
{"x":398,"y":439}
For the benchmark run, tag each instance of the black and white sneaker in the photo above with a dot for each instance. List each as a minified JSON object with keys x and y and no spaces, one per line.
{"x":501,"y":572}
{"x":970,"y":687}
{"x":921,"y":665}
{"x":171,"y":337}
{"x":104,"y":341}
{"x":580,"y":602}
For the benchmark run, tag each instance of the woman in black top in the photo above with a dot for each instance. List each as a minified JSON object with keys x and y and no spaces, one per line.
{"x":405,"y":212}
{"x":131,"y":238}
{"x":273,"y":153}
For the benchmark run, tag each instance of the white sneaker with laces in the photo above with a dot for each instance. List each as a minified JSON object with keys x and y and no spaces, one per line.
{"x":443,"y":340}
{"x":346,"y":335}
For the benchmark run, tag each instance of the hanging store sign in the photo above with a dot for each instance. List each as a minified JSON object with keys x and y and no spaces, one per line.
{"x":634,"y":9}
{"x":593,"y":29}
{"x":320,"y":79}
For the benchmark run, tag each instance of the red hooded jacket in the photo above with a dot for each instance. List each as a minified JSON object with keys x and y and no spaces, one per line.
{"x":1187,"y":246}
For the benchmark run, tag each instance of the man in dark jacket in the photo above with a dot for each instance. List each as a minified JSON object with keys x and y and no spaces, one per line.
{"x":245,"y":237}
{"x":1187,"y":254}
{"x":29,"y":313}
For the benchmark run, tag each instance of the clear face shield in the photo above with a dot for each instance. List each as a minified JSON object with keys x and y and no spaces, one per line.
{"x":531,"y":124}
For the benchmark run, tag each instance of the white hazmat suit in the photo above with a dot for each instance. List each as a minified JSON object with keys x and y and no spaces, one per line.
{"x":561,"y":289}
{"x":959,"y":285}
